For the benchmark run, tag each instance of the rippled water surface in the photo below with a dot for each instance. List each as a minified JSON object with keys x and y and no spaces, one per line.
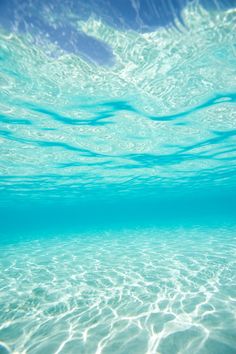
{"x":117,"y":138}
{"x":161,"y":114}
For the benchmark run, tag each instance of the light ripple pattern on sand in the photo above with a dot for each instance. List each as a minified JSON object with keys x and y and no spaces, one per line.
{"x":131,"y":291}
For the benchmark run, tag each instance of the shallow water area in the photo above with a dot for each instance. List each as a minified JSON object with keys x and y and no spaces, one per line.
{"x":117,"y":177}
{"x":155,"y":290}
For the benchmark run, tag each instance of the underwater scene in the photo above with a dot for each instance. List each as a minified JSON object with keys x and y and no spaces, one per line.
{"x":118,"y":177}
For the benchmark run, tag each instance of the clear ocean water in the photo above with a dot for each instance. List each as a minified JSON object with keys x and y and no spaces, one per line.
{"x":117,"y":177}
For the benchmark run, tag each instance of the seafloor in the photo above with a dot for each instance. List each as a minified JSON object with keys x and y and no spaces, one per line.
{"x":151,"y":290}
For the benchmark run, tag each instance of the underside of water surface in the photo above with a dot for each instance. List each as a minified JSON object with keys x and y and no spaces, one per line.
{"x":118,"y":177}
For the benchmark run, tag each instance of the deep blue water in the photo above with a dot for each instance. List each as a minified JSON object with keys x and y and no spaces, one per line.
{"x":117,"y":177}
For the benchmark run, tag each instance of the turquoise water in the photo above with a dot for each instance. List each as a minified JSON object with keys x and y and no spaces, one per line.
{"x":117,"y":177}
{"x":152,"y":290}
